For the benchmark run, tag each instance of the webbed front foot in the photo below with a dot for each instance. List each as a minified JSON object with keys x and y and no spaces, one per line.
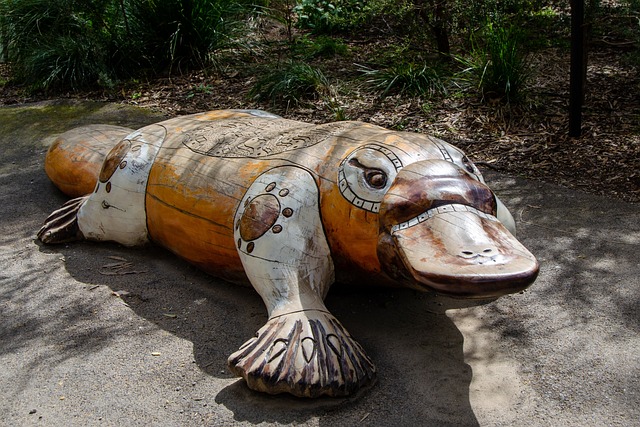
{"x":62,"y":225}
{"x":306,"y":353}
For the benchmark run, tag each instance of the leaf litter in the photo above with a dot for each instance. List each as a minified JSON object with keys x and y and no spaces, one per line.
{"x":119,"y":268}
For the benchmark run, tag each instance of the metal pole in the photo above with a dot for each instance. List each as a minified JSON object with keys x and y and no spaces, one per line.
{"x":578,"y":68}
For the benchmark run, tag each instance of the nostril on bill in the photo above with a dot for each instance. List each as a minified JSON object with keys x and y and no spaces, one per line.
{"x":487,"y":252}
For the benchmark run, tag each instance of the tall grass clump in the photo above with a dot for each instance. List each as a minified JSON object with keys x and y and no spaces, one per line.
{"x":55,"y":44}
{"x":184,"y":32}
{"x":321,"y":47}
{"x":498,"y":63}
{"x":291,"y":85}
{"x":405,"y":78}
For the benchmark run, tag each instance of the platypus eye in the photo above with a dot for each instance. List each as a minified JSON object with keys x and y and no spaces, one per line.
{"x":365,"y":175}
{"x":375,"y":178}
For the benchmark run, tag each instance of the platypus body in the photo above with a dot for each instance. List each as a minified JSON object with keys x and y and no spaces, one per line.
{"x":291,"y":207}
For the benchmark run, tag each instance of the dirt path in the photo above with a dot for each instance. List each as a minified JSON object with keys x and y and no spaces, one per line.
{"x":80,"y":346}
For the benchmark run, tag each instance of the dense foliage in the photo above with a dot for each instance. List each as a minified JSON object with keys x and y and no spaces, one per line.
{"x":59,"y":44}
{"x":290,"y":84}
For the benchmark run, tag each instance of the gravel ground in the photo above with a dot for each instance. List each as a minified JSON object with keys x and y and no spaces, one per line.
{"x":80,"y":346}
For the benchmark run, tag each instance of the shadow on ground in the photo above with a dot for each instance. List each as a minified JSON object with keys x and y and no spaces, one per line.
{"x":80,"y":345}
{"x":77,"y":335}
{"x":417,"y":349}
{"x":576,"y":329}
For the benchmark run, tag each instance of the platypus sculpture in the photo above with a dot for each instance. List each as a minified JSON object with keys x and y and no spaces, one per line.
{"x":291,"y":208}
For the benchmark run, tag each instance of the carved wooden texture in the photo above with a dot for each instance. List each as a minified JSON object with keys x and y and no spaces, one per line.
{"x":203,"y":170}
{"x":77,"y":175}
{"x":288,"y":207}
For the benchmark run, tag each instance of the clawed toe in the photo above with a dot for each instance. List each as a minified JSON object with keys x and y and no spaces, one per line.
{"x":307,"y":354}
{"x":62,"y":225}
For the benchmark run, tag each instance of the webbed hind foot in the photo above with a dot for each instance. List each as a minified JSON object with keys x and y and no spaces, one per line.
{"x":62,"y":225}
{"x":307,"y":354}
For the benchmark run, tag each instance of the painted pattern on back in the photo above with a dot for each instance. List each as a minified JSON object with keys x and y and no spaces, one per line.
{"x":255,"y":137}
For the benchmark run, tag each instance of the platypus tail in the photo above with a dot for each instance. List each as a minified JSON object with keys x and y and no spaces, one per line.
{"x":73,"y":163}
{"x":75,"y":158}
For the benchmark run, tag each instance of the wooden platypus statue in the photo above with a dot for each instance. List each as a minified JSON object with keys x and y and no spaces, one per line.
{"x":291,"y":208}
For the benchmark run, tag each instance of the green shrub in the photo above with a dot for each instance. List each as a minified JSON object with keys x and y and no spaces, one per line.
{"x":291,"y":85}
{"x":318,"y":15}
{"x":405,"y":78}
{"x":321,"y":46}
{"x":497,"y":65}
{"x":64,"y":61}
{"x":333,"y":16}
{"x":183,"y":31}
{"x":56,"y":42}
{"x":73,"y":43}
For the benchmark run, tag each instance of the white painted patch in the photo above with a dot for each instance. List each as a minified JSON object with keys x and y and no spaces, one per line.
{"x":290,"y":263}
{"x":116,"y":209}
{"x":505,"y":217}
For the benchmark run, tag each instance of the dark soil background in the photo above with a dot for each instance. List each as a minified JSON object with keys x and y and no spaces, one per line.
{"x":528,"y":139}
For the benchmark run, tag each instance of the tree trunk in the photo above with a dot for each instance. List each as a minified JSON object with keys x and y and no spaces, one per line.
{"x":440,"y":29}
{"x":434,"y":13}
{"x":578,"y":68}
